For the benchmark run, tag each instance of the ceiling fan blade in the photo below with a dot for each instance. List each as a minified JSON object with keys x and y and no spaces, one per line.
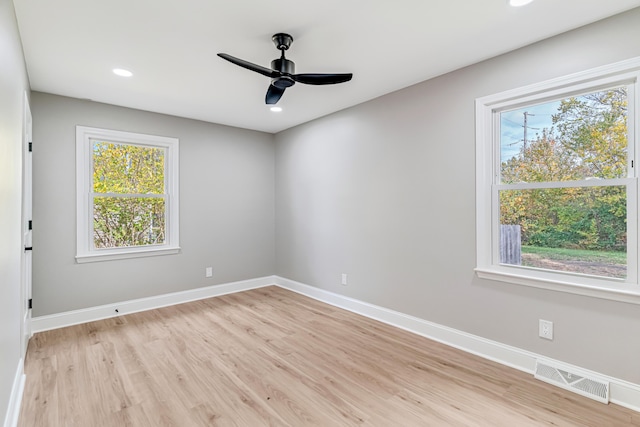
{"x":273,"y":94}
{"x":321,"y":79}
{"x":250,"y":66}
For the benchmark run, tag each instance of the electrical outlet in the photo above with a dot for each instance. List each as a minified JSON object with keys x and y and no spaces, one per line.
{"x":208,"y":272}
{"x":344,"y":279}
{"x":545,"y":329}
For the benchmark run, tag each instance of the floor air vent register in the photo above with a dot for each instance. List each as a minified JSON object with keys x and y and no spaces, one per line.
{"x":573,"y":380}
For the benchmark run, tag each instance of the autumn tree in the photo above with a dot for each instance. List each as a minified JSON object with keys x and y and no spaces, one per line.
{"x":128,"y":188}
{"x":594,"y":127}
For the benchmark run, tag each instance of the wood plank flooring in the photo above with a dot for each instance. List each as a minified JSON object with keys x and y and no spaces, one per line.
{"x":270,"y":357}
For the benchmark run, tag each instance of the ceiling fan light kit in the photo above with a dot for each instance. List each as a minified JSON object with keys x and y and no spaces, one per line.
{"x":519,"y":3}
{"x":283,"y":71}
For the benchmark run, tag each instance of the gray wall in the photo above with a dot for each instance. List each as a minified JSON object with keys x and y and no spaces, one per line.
{"x":13,"y":84}
{"x":226,"y":208}
{"x":385,"y":192}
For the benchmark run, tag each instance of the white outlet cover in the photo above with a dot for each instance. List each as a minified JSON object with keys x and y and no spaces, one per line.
{"x":209,"y":272}
{"x":546,"y":329}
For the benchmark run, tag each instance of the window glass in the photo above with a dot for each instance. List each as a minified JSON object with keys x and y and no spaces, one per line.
{"x":124,"y":173}
{"x":128,"y":221}
{"x":575,"y":138}
{"x":580,"y":229}
{"x":125,"y":168}
{"x":575,"y":229}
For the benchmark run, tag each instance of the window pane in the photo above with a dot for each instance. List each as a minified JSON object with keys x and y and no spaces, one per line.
{"x":574,"y":138}
{"x":580,"y":230}
{"x":128,"y":221}
{"x":123,"y":168}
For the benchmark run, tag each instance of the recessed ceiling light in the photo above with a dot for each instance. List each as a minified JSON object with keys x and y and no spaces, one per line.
{"x":276,"y":109}
{"x":122,"y":72}
{"x":518,"y":3}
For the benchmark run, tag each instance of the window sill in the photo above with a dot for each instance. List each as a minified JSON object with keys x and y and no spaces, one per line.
{"x":136,"y":253}
{"x":615,"y":291}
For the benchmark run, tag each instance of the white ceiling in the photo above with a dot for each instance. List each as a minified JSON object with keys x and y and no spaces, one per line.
{"x":71,"y":46}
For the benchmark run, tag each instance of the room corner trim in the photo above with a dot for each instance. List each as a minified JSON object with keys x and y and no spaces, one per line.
{"x":15,"y":399}
{"x":75,"y":317}
{"x":622,"y":393}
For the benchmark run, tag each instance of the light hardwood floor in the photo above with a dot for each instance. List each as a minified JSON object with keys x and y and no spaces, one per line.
{"x":270,"y":357}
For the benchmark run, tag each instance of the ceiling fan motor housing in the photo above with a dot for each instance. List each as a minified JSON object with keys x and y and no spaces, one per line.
{"x":286,"y":67}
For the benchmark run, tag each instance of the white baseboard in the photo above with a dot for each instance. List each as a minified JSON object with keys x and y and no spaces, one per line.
{"x":15,"y":400}
{"x":622,"y":392}
{"x":75,"y":317}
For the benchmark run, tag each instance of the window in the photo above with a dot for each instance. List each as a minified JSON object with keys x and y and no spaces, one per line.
{"x":557,"y":184}
{"x":127,"y":194}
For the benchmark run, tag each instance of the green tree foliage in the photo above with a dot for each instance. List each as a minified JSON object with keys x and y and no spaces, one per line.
{"x":588,"y":141}
{"x":128,"y":202}
{"x":594,"y":128}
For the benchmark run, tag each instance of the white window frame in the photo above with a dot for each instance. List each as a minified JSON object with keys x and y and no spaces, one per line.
{"x":488,"y":183}
{"x":84,"y":206}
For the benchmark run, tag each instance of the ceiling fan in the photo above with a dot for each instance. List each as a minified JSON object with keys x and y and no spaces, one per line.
{"x":282,"y":71}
